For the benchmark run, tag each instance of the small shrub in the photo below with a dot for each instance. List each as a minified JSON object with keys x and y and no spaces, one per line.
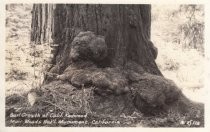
{"x":190,"y":31}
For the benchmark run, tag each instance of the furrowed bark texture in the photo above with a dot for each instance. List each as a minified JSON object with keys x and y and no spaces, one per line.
{"x":42,"y":24}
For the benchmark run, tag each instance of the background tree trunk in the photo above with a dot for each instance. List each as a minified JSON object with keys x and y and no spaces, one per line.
{"x":126,"y":29}
{"x":42,"y":23}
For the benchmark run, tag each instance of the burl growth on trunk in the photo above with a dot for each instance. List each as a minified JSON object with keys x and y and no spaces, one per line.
{"x":117,"y":90}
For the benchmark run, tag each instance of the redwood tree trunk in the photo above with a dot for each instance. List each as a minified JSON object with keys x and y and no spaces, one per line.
{"x":126,"y":29}
{"x":127,"y":74}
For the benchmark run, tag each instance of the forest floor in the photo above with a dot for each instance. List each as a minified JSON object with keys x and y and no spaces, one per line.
{"x":24,"y":67}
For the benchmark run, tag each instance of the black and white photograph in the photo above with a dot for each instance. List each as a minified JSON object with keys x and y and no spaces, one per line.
{"x":105,"y":65}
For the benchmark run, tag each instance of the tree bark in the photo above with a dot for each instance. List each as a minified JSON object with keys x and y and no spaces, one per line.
{"x":42,"y":24}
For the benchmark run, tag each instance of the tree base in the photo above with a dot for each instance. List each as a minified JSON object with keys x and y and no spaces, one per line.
{"x":119,"y":89}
